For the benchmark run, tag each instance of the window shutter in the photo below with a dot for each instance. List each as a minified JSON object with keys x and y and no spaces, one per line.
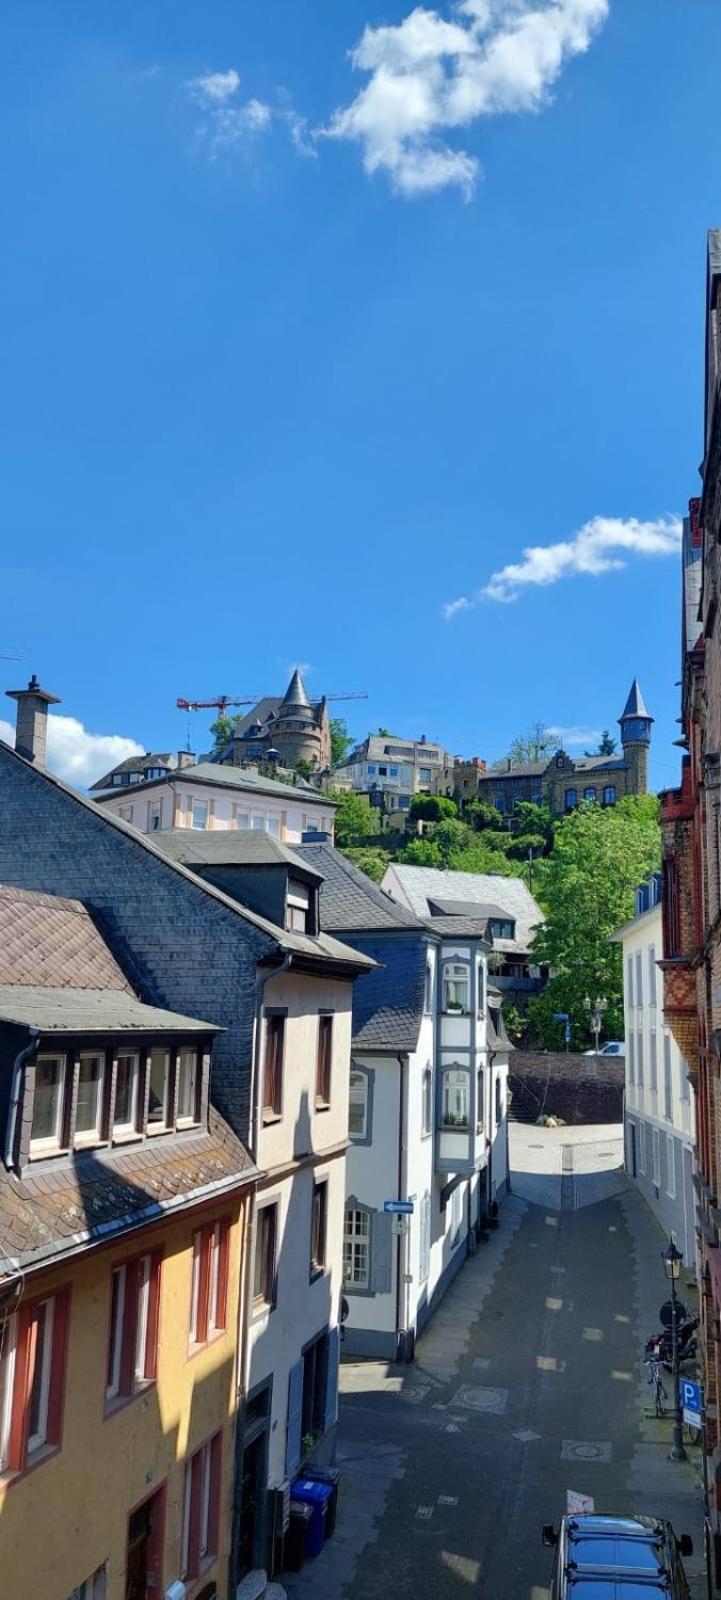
{"x":381,"y":1252}
{"x":331,"y":1379}
{"x":295,"y":1412}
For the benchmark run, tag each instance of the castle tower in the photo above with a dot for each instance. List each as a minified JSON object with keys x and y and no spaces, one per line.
{"x":635,"y":722}
{"x":298,"y":727}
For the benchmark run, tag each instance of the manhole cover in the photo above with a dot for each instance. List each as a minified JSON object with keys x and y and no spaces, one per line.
{"x":586,"y":1450}
{"x":475,"y":1398}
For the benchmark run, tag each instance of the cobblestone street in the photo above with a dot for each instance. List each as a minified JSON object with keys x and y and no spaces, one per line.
{"x":528,"y":1383}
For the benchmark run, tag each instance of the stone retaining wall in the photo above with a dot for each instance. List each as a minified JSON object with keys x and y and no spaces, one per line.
{"x":580,"y":1089}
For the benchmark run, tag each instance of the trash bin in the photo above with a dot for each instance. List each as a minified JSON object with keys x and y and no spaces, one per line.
{"x":317,"y":1496}
{"x":331,"y":1475}
{"x":295,"y":1544}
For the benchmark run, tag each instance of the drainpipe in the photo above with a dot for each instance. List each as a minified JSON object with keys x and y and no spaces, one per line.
{"x":18,"y":1065}
{"x":402,"y":1288}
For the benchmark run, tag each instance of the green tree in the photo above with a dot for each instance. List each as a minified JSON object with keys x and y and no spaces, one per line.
{"x":371,"y":861}
{"x":303,"y":768}
{"x":599,"y":856}
{"x":355,"y":818}
{"x":607,"y":745}
{"x":481,"y":815}
{"x":421,"y":853}
{"x":384,"y":733}
{"x":340,"y":740}
{"x":222,"y":731}
{"x":537,"y":744}
{"x":432,"y":808}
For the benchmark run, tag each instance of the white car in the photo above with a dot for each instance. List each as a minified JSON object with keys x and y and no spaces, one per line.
{"x":614,"y":1047}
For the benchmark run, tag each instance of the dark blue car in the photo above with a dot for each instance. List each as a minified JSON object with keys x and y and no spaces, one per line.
{"x":617,"y":1558}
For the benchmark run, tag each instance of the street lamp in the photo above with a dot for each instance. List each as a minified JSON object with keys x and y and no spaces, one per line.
{"x":596,"y":1008}
{"x":672,"y":1259}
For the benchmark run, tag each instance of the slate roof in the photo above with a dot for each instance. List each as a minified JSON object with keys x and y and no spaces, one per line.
{"x":465,"y":908}
{"x":90,"y":1011}
{"x":349,"y":900}
{"x":136,"y":764}
{"x":415,"y":887}
{"x":242,"y":847}
{"x":46,"y":940}
{"x":388,"y":1002}
{"x":223,"y":777}
{"x":461,"y":927}
{"x":635,"y":705}
{"x":106,"y":1194}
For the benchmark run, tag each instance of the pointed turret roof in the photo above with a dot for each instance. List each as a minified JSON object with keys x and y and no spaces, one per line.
{"x":296,"y":694}
{"x":635,"y":705}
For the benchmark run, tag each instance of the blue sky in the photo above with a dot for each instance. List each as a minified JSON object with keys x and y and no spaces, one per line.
{"x":262,"y":404}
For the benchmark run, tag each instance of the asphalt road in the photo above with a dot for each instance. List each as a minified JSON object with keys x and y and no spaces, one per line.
{"x":526,"y":1385}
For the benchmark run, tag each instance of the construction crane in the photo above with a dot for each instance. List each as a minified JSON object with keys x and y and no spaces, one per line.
{"x":222,"y":701}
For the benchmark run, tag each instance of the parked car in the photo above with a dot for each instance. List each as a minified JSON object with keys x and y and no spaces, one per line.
{"x":613,"y":1047}
{"x":600,"y":1557}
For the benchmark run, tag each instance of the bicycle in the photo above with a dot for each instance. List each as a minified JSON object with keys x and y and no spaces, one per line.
{"x":655,"y":1381}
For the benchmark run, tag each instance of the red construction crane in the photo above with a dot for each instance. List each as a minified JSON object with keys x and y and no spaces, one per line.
{"x":222,"y":701}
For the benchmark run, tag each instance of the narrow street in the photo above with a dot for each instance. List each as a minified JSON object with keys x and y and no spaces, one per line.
{"x":528,"y":1383}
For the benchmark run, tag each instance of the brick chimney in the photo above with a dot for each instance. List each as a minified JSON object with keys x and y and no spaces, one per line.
{"x":31,"y":726}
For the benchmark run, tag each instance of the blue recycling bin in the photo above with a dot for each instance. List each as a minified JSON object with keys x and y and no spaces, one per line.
{"x":317,"y":1495}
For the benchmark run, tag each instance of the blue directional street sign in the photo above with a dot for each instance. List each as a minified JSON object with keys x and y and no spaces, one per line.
{"x":560,"y":1016}
{"x":691,"y":1402}
{"x":400,"y":1208}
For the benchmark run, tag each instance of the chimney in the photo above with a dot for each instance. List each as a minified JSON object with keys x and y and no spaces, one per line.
{"x":31,"y":726}
{"x":186,"y":758}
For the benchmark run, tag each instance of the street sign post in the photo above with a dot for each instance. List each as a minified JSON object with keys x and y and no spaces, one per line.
{"x":691,"y":1402}
{"x":400,"y":1225}
{"x":399,"y":1208}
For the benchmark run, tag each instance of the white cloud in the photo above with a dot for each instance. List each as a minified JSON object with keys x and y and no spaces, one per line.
{"x":214,"y":88}
{"x":77,"y":756}
{"x":429,"y":74}
{"x":576,"y":738}
{"x":588,"y":551}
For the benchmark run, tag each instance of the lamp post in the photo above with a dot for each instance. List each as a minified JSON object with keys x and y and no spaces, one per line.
{"x":596,"y":1008}
{"x":672,"y":1259}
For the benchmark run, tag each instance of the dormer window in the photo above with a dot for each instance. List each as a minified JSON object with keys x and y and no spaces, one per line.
{"x":126,"y":1093}
{"x":159,"y":1088}
{"x":502,"y":928}
{"x":48,"y":1104}
{"x":89,"y":1097}
{"x":89,"y":1101}
{"x":297,"y":907}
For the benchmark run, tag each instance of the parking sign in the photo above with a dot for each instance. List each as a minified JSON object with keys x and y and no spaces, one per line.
{"x":691,"y":1402}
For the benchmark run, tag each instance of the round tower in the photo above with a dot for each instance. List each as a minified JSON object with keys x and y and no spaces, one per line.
{"x":635,"y":722}
{"x":296,"y":730}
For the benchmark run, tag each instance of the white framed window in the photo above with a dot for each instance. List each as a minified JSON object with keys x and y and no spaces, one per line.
{"x":455,"y":988}
{"x":42,"y":1367}
{"x":201,"y":1509}
{"x":89,"y":1102}
{"x":187,"y":1086}
{"x":427,"y":1106}
{"x":356,"y":1248}
{"x":8,"y":1347}
{"x":428,"y":998}
{"x":258,"y":821}
{"x":199,"y":814}
{"x":274,"y":827}
{"x":158,"y":1088}
{"x":155,"y":815}
{"x":656,"y":1149}
{"x":358,"y":1105}
{"x":652,"y":969}
{"x":242,"y":819}
{"x":297,"y":906}
{"x":125,"y":1118}
{"x":94,"y":1588}
{"x":141,"y":1327}
{"x":670,"y":1166}
{"x":115,"y":1341}
{"x":454,"y":1108}
{"x":48,"y":1103}
{"x":208,"y":1298}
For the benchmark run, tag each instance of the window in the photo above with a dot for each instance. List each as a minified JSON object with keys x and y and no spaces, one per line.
{"x":589,"y":794}
{"x":642,"y":1147}
{"x":258,"y":821}
{"x":273,"y":1066}
{"x":356,"y":1248}
{"x":653,"y":1060}
{"x":155,"y":815}
{"x":324,"y":1061}
{"x":382,"y":772}
{"x":456,"y":1215}
{"x":667,"y":1079}
{"x":639,"y":1057}
{"x":48,"y":1104}
{"x":298,"y":903}
{"x":199,"y":814}
{"x":639,"y":980}
{"x":187,"y":1086}
{"x":201,"y":1508}
{"x":479,"y":1099}
{"x":133,"y":1333}
{"x":318,"y":1228}
{"x":127,"y":1073}
{"x":371,"y":769}
{"x":393,"y":772}
{"x":656,"y":1157}
{"x":671,"y":907}
{"x":629,"y":983}
{"x":570,"y":799}
{"x":670,"y":1166}
{"x":609,"y":794}
{"x":94,"y":1587}
{"x":428,"y":997}
{"x":32,"y":1375}
{"x":89,"y":1103}
{"x":274,"y":827}
{"x":265,"y":1252}
{"x":315,"y":1371}
{"x":454,"y":1112}
{"x":159,"y":1089}
{"x":126,"y":812}
{"x":502,"y":928}
{"x":631,"y":1057}
{"x":427,"y":1108}
{"x":424,"y":1239}
{"x":358,"y":1105}
{"x":499,"y":1100}
{"x":242,"y":819}
{"x":455,"y":988}
{"x":209,"y":1282}
{"x":424,"y":774}
{"x":652,"y":974}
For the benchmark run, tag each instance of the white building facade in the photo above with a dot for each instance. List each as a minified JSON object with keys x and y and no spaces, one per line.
{"x":213,"y":798}
{"x":659,"y":1112}
{"x":391,"y":770}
